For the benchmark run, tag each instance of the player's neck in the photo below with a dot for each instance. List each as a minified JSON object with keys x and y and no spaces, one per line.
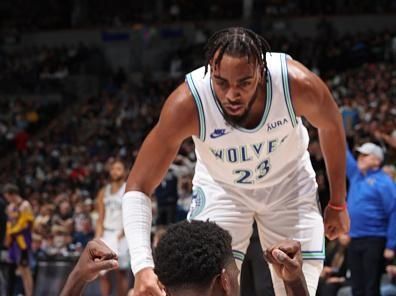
{"x":257,"y":109}
{"x":115,"y":185}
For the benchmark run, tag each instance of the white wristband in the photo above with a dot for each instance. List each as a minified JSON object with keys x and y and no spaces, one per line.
{"x":137,"y":218}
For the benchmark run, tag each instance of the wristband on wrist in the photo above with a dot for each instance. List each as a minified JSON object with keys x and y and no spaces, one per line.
{"x":337,"y":208}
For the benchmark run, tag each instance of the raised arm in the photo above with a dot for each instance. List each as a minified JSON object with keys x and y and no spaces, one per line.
{"x":178,"y":121}
{"x":313,"y":100}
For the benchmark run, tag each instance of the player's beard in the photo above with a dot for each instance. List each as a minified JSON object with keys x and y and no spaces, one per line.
{"x":117,"y":179}
{"x":239,"y":120}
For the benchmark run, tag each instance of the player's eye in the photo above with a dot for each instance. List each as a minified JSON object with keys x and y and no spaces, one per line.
{"x":221,"y":83}
{"x":245,"y":83}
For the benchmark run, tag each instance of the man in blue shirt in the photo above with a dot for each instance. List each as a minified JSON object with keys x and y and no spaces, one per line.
{"x":372,"y":210}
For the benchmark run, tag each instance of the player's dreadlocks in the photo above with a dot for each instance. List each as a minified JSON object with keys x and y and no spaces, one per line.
{"x":238,"y":42}
{"x":191,"y":254}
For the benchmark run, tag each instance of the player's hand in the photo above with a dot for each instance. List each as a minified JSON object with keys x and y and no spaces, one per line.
{"x":147,"y":284}
{"x":286,"y":260}
{"x":96,"y":257}
{"x":336,"y":222}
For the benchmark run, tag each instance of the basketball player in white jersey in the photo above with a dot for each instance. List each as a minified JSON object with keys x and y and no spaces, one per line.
{"x":109,"y":227}
{"x":244,"y":110}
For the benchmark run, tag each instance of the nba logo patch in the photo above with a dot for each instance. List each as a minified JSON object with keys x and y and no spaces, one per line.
{"x":197,"y":203}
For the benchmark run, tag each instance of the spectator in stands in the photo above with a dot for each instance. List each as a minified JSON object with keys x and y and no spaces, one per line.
{"x":42,"y":222}
{"x":389,"y":289}
{"x":350,"y":116}
{"x":389,"y":139}
{"x":63,"y":219}
{"x":372,"y":208}
{"x":167,"y":196}
{"x":390,"y":170}
{"x":83,"y":230}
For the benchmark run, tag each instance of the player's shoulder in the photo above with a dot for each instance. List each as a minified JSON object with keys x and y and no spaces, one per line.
{"x":304,"y":83}
{"x":299,"y":74}
{"x":102,"y":191}
{"x":179,"y":116}
{"x":181,"y":99}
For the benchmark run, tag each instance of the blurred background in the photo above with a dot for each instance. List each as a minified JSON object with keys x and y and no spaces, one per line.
{"x":82,"y":82}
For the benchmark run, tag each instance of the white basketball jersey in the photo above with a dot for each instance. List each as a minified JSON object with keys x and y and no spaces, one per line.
{"x":113,"y":208}
{"x":251,"y":158}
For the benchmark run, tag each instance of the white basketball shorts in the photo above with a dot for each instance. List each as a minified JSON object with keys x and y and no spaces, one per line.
{"x":281,"y":212}
{"x":119,"y":246}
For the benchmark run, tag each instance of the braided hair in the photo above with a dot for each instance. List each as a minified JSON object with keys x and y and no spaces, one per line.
{"x":238,"y":42}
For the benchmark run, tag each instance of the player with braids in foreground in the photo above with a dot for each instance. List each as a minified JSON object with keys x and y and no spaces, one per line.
{"x":244,"y":111}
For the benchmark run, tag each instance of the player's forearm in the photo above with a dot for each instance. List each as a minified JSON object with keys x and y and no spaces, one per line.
{"x":297,"y":287}
{"x":74,"y":285}
{"x":137,"y":218}
{"x":99,"y":229}
{"x":332,"y":142}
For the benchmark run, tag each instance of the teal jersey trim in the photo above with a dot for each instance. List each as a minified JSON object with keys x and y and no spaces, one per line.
{"x":198,"y":103}
{"x":286,"y":89}
{"x":268,"y":103}
{"x":238,"y":255}
{"x":315,"y":255}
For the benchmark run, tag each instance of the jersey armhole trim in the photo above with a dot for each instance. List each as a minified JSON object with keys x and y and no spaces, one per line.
{"x":198,"y":103}
{"x":286,"y":89}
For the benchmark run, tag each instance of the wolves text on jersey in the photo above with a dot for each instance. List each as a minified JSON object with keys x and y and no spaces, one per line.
{"x":244,"y":153}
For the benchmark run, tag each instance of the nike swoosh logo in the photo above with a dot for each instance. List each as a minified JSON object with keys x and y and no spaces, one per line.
{"x":218,"y":135}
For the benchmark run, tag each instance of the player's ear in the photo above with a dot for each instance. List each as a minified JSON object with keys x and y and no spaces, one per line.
{"x":225,"y":281}
{"x":261,"y":71}
{"x":212,"y":65}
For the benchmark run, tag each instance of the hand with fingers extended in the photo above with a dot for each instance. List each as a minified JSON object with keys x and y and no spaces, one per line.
{"x":147,"y":284}
{"x":96,"y":257}
{"x":336,"y":221}
{"x":286,"y":260}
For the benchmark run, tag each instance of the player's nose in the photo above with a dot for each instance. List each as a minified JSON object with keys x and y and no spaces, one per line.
{"x":233,"y":95}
